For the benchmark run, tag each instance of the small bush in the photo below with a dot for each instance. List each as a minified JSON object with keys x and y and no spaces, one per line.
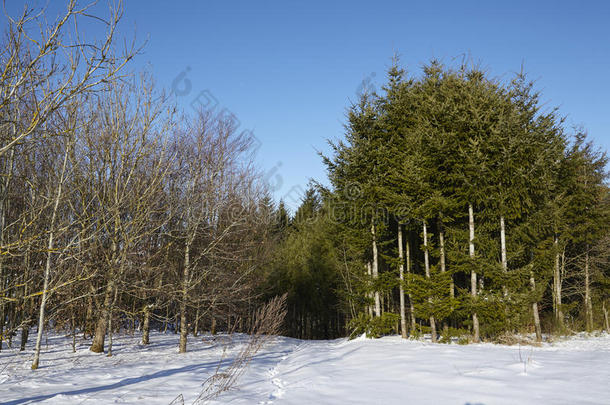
{"x":449,"y":334}
{"x":374,"y":327}
{"x":463,"y":340}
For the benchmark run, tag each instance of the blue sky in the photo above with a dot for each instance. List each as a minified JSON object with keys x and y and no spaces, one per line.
{"x":288,"y":70}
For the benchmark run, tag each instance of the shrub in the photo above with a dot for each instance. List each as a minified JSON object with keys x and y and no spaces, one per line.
{"x":374,"y":327}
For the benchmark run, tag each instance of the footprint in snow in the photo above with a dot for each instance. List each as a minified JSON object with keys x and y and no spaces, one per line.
{"x":280,"y":391}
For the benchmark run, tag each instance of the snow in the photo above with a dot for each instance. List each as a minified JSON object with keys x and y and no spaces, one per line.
{"x":390,"y":370}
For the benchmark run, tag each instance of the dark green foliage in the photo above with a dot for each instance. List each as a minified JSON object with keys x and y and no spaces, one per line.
{"x":374,"y":327}
{"x":423,"y":152}
{"x":306,"y":268}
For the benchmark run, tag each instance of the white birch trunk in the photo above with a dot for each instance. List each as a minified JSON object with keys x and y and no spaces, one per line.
{"x":588,"y":304}
{"x":369,"y":294}
{"x":443,"y":262}
{"x":535,"y":310}
{"x":403,"y":316}
{"x":473,"y":275}
{"x":427,"y":268}
{"x":441,"y":242}
{"x":557,"y":301}
{"x":503,"y":253}
{"x":376,"y":270}
{"x":411,"y":306}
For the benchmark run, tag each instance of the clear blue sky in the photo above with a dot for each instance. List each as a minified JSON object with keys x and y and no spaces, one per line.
{"x":288,"y":71}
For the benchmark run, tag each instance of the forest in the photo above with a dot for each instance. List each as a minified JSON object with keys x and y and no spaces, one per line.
{"x":458,"y":206}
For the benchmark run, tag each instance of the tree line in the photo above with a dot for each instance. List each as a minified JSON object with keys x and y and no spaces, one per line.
{"x":458,"y":205}
{"x":116,"y":211}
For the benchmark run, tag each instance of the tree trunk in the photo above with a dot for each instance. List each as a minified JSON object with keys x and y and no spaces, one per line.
{"x":403,"y":316}
{"x":441,"y":243}
{"x":376,"y":270}
{"x":196,"y":325}
{"x":146,"y":326}
{"x":88,"y":317}
{"x":588,"y":304}
{"x":503,"y":253}
{"x":443,"y":261}
{"x":97,"y":345}
{"x":504,"y":270}
{"x":166,"y":320}
{"x":109,"y":331}
{"x":369,"y":272}
{"x":473,"y":276}
{"x":99,"y":335}
{"x":3,"y":206}
{"x":110,"y":322}
{"x":2,"y":286}
{"x":427,"y":268}
{"x":25,"y":329}
{"x":2,"y":305}
{"x":25,"y":332}
{"x":47,"y":269}
{"x":607,"y":323}
{"x":73,"y":333}
{"x":557,"y":301}
{"x":411,"y":305}
{"x":535,"y":309}
{"x":132,"y":328}
{"x":185,"y":288}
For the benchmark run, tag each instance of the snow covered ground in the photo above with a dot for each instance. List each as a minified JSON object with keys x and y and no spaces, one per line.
{"x":290,"y":371}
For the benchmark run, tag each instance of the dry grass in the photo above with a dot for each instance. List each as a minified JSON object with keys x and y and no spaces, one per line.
{"x":267,"y":325}
{"x":511,"y":339}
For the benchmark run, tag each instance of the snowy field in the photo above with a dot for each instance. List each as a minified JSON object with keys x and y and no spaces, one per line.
{"x":290,"y":371}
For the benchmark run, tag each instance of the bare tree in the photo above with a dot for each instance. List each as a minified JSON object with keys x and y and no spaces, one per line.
{"x":49,"y":64}
{"x":208,"y":206}
{"x":69,"y":143}
{"x":124,"y":182}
